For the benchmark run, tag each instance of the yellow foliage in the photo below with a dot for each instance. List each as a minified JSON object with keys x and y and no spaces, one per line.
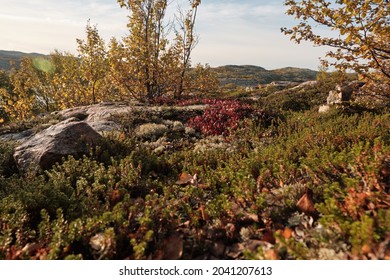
{"x":144,"y":65}
{"x":362,"y":44}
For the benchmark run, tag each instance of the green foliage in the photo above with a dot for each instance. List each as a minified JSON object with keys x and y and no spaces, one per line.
{"x":124,"y":201}
{"x":7,"y":164}
{"x":285,"y":184}
{"x":295,"y":99}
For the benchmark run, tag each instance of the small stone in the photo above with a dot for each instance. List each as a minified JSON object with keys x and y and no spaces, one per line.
{"x":324,"y":109}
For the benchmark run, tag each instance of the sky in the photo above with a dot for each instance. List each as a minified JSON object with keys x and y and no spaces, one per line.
{"x":242,"y":32}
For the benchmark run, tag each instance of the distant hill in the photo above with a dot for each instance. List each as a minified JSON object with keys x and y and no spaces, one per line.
{"x":240,"y":75}
{"x":9,"y":57}
{"x":249,"y":75}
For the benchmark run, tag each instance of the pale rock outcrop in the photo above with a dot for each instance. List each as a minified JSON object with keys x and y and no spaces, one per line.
{"x":97,"y":116}
{"x":343,"y":93}
{"x":340,"y":95}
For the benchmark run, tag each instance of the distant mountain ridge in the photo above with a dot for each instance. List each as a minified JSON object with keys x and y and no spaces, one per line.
{"x":250,"y":75}
{"x":7,"y":58}
{"x":239,"y":75}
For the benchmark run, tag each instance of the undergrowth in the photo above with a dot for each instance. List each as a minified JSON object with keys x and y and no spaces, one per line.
{"x":294,"y":186}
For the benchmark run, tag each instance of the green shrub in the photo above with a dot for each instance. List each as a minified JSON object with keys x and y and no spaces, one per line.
{"x":7,"y":163}
{"x":124,"y":201}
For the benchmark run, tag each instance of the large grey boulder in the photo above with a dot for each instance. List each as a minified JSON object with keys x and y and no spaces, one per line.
{"x":70,"y":137}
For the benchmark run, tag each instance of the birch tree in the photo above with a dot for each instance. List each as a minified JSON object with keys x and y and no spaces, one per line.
{"x":361,"y":40}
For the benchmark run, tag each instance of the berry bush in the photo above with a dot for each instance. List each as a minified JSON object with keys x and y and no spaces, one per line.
{"x":221,"y":117}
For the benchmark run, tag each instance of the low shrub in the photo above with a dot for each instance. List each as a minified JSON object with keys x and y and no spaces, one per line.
{"x":7,"y":163}
{"x":221,"y":117}
{"x":302,"y":186}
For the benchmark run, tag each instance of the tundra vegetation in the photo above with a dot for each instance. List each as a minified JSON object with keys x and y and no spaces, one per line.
{"x":255,"y":175}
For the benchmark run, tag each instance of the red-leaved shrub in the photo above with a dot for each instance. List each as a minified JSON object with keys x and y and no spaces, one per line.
{"x":220,"y":117}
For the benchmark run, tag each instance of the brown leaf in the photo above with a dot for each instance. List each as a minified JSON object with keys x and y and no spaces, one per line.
{"x":172,"y":248}
{"x":250,"y":217}
{"x":268,"y":236}
{"x":242,"y":215}
{"x":252,"y":244}
{"x":265,"y":190}
{"x":203,"y":213}
{"x":218,"y":249}
{"x":31,"y":248}
{"x":287,"y":233}
{"x":305,"y":203}
{"x":230,"y":230}
{"x":271,"y":254}
{"x":115,"y":197}
{"x":366,"y":249}
{"x":235,"y":250}
{"x":184,"y":179}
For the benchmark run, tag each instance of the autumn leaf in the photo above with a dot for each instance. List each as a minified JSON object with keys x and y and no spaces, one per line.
{"x":271,"y":254}
{"x":115,"y":197}
{"x":287,"y":233}
{"x":268,"y":236}
{"x":185,"y":179}
{"x":243,"y":216}
{"x":305,"y":203}
{"x":362,"y":42}
{"x":218,"y":249}
{"x":203,"y":213}
{"x":171,"y":249}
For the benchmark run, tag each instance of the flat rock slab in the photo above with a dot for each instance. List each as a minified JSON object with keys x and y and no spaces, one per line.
{"x":19,"y":137}
{"x":43,"y":150}
{"x":99,"y":116}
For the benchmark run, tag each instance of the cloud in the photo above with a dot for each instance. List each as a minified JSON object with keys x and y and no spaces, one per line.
{"x":240,"y":10}
{"x":231,"y":32}
{"x":45,"y":25}
{"x":68,"y":12}
{"x":248,"y":32}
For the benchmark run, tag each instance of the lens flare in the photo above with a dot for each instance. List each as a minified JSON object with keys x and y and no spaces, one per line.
{"x":44,"y":65}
